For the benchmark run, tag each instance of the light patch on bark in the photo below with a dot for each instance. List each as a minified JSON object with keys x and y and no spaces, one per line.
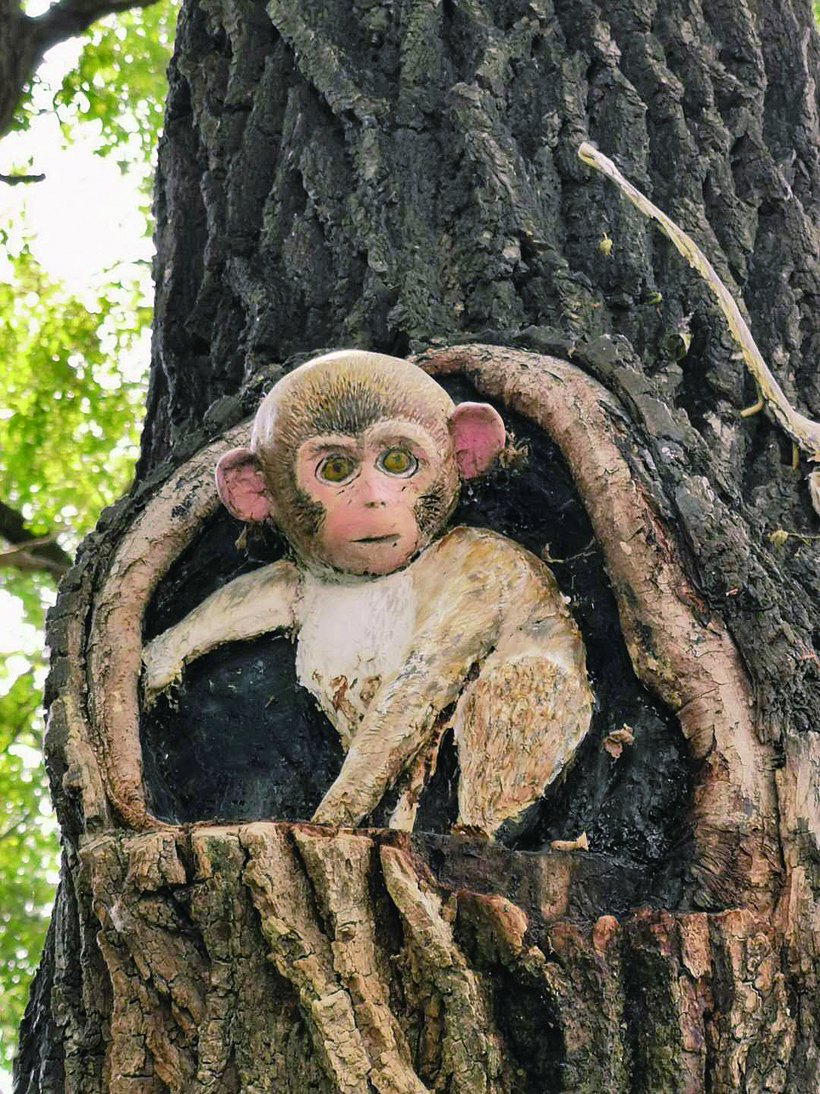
{"x":614,"y":742}
{"x":581,"y":843}
{"x":798,"y":915}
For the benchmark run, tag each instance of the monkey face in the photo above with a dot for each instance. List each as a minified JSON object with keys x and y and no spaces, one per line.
{"x":371,"y":488}
{"x":357,"y":458}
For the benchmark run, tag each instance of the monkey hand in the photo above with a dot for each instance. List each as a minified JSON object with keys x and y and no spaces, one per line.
{"x":163,"y":665}
{"x":399,"y":726}
{"x":250,"y":605}
{"x":338,"y":810}
{"x":380,"y":750}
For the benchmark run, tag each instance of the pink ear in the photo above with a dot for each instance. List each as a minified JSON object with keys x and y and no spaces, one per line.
{"x":242,"y":487}
{"x":478,"y":437}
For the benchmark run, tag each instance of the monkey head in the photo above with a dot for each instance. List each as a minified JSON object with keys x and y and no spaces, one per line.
{"x":358,"y":457}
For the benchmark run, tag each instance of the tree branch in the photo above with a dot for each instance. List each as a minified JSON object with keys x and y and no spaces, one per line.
{"x":24,"y":40}
{"x":15,"y":180}
{"x":29,"y":552}
{"x":804,"y":432}
{"x":68,"y":18}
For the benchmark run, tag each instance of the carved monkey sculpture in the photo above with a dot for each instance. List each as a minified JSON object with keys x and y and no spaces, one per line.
{"x":358,"y":457}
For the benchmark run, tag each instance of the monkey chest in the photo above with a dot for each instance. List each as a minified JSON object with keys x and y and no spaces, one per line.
{"x":352,"y":637}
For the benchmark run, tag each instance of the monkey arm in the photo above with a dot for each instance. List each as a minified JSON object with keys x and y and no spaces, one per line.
{"x":402,"y":717}
{"x":518,"y":726}
{"x":458,"y":625}
{"x":519,"y":723}
{"x":253,"y":604}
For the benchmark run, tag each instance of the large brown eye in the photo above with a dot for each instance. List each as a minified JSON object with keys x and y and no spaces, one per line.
{"x":336,"y":468}
{"x":397,"y":461}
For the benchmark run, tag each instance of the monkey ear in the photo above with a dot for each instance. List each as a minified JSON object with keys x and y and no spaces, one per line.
{"x":242,"y":487}
{"x":478,"y":437}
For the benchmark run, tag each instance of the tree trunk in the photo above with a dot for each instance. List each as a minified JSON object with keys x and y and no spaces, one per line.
{"x":405,"y":178}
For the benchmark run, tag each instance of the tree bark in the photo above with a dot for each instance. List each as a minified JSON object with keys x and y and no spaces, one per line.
{"x":405,"y":178}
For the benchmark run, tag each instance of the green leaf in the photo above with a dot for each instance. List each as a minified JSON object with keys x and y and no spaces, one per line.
{"x":69,"y":418}
{"x":119,"y":80}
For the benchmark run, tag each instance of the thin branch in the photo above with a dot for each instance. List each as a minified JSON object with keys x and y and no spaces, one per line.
{"x":28,"y":551}
{"x":40,"y":541}
{"x":804,"y":432}
{"x":24,"y":40}
{"x":68,"y":18}
{"x":16,"y":180}
{"x":19,"y":558}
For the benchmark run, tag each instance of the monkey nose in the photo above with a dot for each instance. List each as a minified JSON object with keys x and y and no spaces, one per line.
{"x":373,"y":492}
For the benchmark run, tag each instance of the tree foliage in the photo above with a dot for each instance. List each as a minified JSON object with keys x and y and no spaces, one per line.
{"x":29,"y":37}
{"x":69,"y":424}
{"x":27,"y":848}
{"x":70,"y":414}
{"x":66,"y":400}
{"x":115,"y":81}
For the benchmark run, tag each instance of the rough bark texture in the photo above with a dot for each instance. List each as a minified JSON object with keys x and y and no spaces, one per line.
{"x":286,"y":958}
{"x":404,"y":177}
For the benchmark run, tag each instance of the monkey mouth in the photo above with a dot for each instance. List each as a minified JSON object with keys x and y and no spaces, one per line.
{"x":391,"y":538}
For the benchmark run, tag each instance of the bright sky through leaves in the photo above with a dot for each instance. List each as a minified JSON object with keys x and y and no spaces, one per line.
{"x":74,"y":287}
{"x":87,"y":215}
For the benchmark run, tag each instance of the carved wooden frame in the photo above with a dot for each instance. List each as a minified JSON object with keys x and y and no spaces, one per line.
{"x":681,"y":653}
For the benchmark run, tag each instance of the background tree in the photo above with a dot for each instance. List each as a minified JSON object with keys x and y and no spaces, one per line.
{"x":405,"y":176}
{"x":26,"y":39}
{"x":69,"y":423}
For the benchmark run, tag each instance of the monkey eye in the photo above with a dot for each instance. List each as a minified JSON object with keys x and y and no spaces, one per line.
{"x":397,"y":461}
{"x":336,"y":468}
